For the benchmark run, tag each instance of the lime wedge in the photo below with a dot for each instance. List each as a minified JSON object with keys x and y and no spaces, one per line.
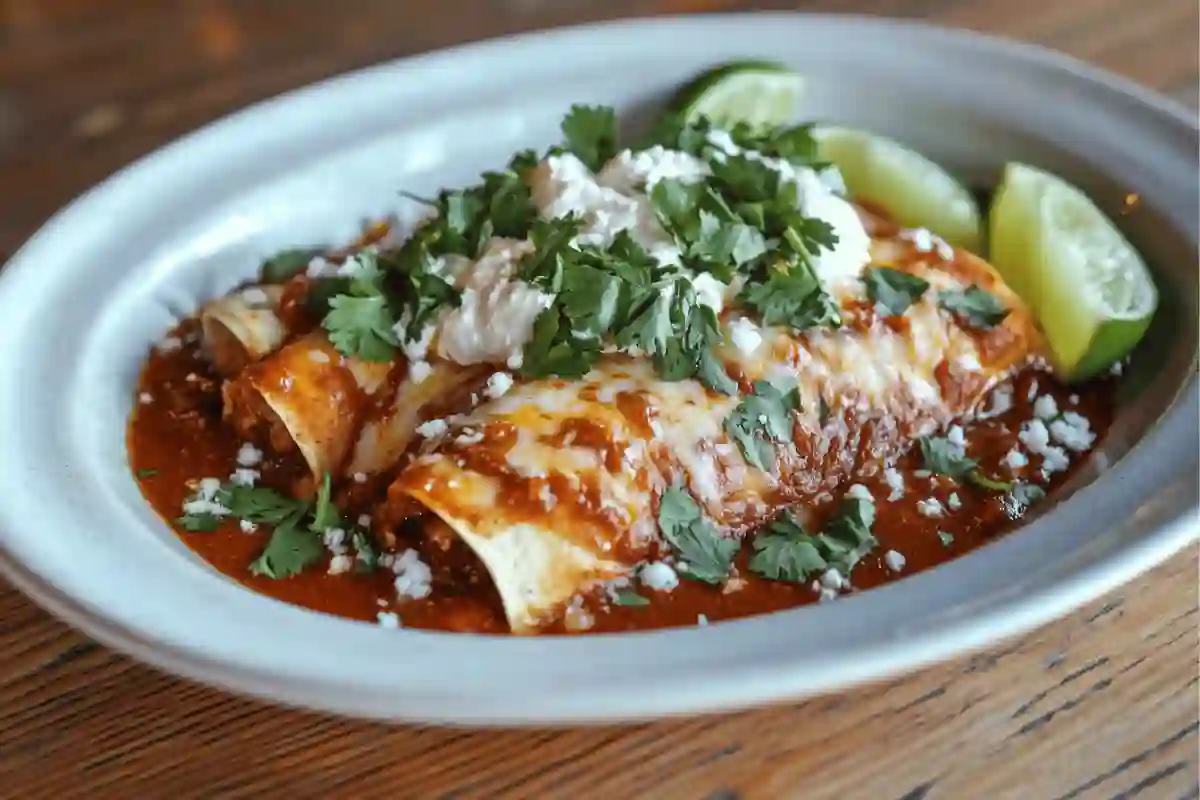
{"x":1089,"y":289}
{"x":761,"y":94}
{"x":906,"y":185}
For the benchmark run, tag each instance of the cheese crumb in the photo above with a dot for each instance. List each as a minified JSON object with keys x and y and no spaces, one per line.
{"x":1045,"y":408}
{"x":658,"y":576}
{"x":433,"y":428}
{"x":244,"y":477}
{"x":1036,"y":437}
{"x":1002,"y":401}
{"x":895,"y":561}
{"x":418,"y":371}
{"x":247,"y":526}
{"x":360,"y":477}
{"x":498,"y":385}
{"x":145,"y":398}
{"x":832,"y":579}
{"x":169,"y":344}
{"x":576,"y":617}
{"x":388,"y":619}
{"x":248,"y":455}
{"x":341,"y":564}
{"x":956,"y":437}
{"x":364,"y":520}
{"x":335,"y":540}
{"x":413,"y":576}
{"x":895,"y":482}
{"x":931,"y":508}
{"x":860,"y":492}
{"x":1015,"y":459}
{"x":469,"y":437}
{"x":1073,"y":431}
{"x":744,"y":335}
{"x":954,"y":502}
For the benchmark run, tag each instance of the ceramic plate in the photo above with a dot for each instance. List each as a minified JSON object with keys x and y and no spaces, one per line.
{"x":84,"y":299}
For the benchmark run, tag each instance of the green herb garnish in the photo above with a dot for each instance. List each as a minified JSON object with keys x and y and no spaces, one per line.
{"x":762,"y":421}
{"x":367,"y":552}
{"x":145,"y":472}
{"x":976,"y":307}
{"x":785,"y":551}
{"x":708,"y":556}
{"x":286,"y":263}
{"x":943,"y":457}
{"x":288,"y":552}
{"x":893,"y":290}
{"x":946,"y":539}
{"x":590,"y":132}
{"x":1026,"y":494}
{"x":628,"y":597}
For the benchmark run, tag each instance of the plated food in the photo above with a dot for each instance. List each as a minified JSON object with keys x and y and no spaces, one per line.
{"x":727,"y":369}
{"x":88,"y":296}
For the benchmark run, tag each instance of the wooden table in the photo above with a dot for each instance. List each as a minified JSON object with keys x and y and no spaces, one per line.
{"x":1102,"y":704}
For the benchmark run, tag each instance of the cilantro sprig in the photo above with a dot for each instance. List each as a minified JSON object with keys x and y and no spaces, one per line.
{"x":296,"y":540}
{"x":398,"y":293}
{"x":707,"y":555}
{"x":943,"y":457}
{"x":590,"y":132}
{"x":786,"y":551}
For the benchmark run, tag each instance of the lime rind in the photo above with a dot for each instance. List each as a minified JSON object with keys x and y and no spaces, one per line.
{"x":1089,"y":288}
{"x":761,"y":94}
{"x":910,"y":188}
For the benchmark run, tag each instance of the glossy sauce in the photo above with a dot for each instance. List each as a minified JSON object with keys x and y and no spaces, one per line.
{"x":178,"y":437}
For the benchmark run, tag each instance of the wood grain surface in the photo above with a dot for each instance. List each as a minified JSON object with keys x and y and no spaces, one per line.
{"x":1103,"y":704}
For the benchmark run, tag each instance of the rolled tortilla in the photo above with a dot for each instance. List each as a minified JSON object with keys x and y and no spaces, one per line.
{"x":555,"y":485}
{"x":306,"y":397}
{"x":242,"y":327}
{"x":385,"y":436}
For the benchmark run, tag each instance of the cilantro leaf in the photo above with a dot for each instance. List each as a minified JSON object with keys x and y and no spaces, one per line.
{"x":718,"y":243}
{"x":289,"y":550}
{"x":946,"y":539}
{"x":748,"y":180}
{"x":199,"y":523}
{"x":628,"y":597}
{"x":943,"y":457}
{"x":786,"y":292}
{"x":694,"y":539}
{"x":360,"y":321}
{"x":848,"y":533}
{"x":552,"y":350}
{"x":145,"y":472}
{"x":762,"y":421}
{"x":892,"y":289}
{"x":286,"y":263}
{"x":258,"y":504}
{"x":361,"y":326}
{"x":785,"y":551}
{"x":975,"y":306}
{"x":590,"y":132}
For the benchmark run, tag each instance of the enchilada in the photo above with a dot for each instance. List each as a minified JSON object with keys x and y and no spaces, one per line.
{"x":694,"y":377}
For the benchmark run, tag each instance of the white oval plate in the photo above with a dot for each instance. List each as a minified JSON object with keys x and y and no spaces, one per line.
{"x":84,"y":299}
